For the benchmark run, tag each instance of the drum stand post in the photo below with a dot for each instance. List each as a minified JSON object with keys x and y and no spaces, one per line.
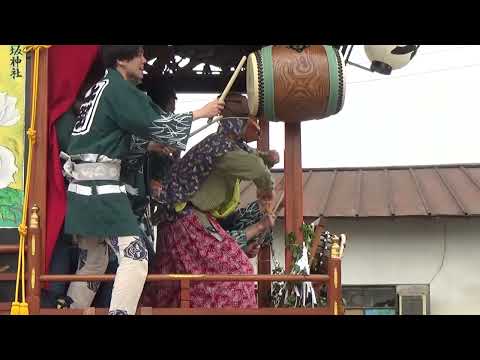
{"x":293,"y":186}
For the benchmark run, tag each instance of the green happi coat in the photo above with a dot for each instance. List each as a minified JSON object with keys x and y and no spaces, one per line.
{"x":113,"y":119}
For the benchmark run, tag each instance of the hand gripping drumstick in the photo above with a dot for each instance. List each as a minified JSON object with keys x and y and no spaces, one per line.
{"x":223,"y":96}
{"x":273,"y":211}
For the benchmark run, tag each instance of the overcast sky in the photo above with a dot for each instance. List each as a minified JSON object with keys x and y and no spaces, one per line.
{"x":426,"y":113}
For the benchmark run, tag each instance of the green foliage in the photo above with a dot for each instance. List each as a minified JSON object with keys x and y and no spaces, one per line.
{"x":307,"y":234}
{"x":295,"y":248}
{"x":11,"y":201}
{"x":280,"y":288}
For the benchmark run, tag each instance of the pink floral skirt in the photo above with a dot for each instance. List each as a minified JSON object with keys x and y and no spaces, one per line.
{"x":186,"y":247}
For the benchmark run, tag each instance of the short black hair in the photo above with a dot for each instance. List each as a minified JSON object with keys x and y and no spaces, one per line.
{"x":95,"y":73}
{"x":160,"y":90}
{"x":112,"y":53}
{"x":162,"y":96}
{"x":160,"y":166}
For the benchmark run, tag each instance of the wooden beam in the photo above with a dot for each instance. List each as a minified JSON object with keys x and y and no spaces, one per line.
{"x":334,"y":290}
{"x":265,"y":311}
{"x":9,"y":249}
{"x":38,"y":192}
{"x":293,"y":186}
{"x":8,"y":276}
{"x":190,"y":277}
{"x":184,"y":293}
{"x":264,"y":265}
{"x":191,"y":311}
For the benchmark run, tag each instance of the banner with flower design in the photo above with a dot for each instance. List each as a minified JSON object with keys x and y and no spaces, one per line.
{"x":12,"y":133}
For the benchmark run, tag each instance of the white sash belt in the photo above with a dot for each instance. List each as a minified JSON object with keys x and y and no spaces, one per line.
{"x":100,"y":190}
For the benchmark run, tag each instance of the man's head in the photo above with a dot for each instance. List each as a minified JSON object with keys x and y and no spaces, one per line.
{"x":127,"y":59}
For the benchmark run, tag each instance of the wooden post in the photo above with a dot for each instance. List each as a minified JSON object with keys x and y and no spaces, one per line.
{"x":146,"y":311}
{"x":264,"y":265}
{"x":38,"y":190}
{"x":293,"y":186}
{"x":334,"y":290}
{"x":89,"y":311}
{"x":185,"y":293}
{"x":34,"y":255}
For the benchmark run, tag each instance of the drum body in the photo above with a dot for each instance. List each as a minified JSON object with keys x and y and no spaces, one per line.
{"x":295,"y":83}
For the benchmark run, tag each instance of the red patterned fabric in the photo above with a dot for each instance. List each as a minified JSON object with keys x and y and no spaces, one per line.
{"x":186,"y":247}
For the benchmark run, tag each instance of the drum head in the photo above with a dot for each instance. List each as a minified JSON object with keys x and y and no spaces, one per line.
{"x":252,"y":84}
{"x":337,"y":81}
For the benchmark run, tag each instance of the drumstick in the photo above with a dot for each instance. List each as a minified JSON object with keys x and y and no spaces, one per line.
{"x":233,"y":78}
{"x":229,"y":86}
{"x":251,"y":121}
{"x":222,"y":97}
{"x":280,"y":199}
{"x":206,"y":126}
{"x":277,"y":205}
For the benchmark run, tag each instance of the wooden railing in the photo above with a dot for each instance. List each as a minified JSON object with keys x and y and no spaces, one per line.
{"x":34,"y":277}
{"x":333,"y":307}
{"x":8,"y":249}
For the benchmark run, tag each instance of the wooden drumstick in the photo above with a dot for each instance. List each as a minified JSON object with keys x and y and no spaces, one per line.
{"x":233,"y":78}
{"x":212,"y":121}
{"x":206,"y":126}
{"x":277,"y":205}
{"x":229,"y":86}
{"x":254,"y":123}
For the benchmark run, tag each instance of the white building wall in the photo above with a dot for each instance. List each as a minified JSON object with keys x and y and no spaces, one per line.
{"x":443,"y":253}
